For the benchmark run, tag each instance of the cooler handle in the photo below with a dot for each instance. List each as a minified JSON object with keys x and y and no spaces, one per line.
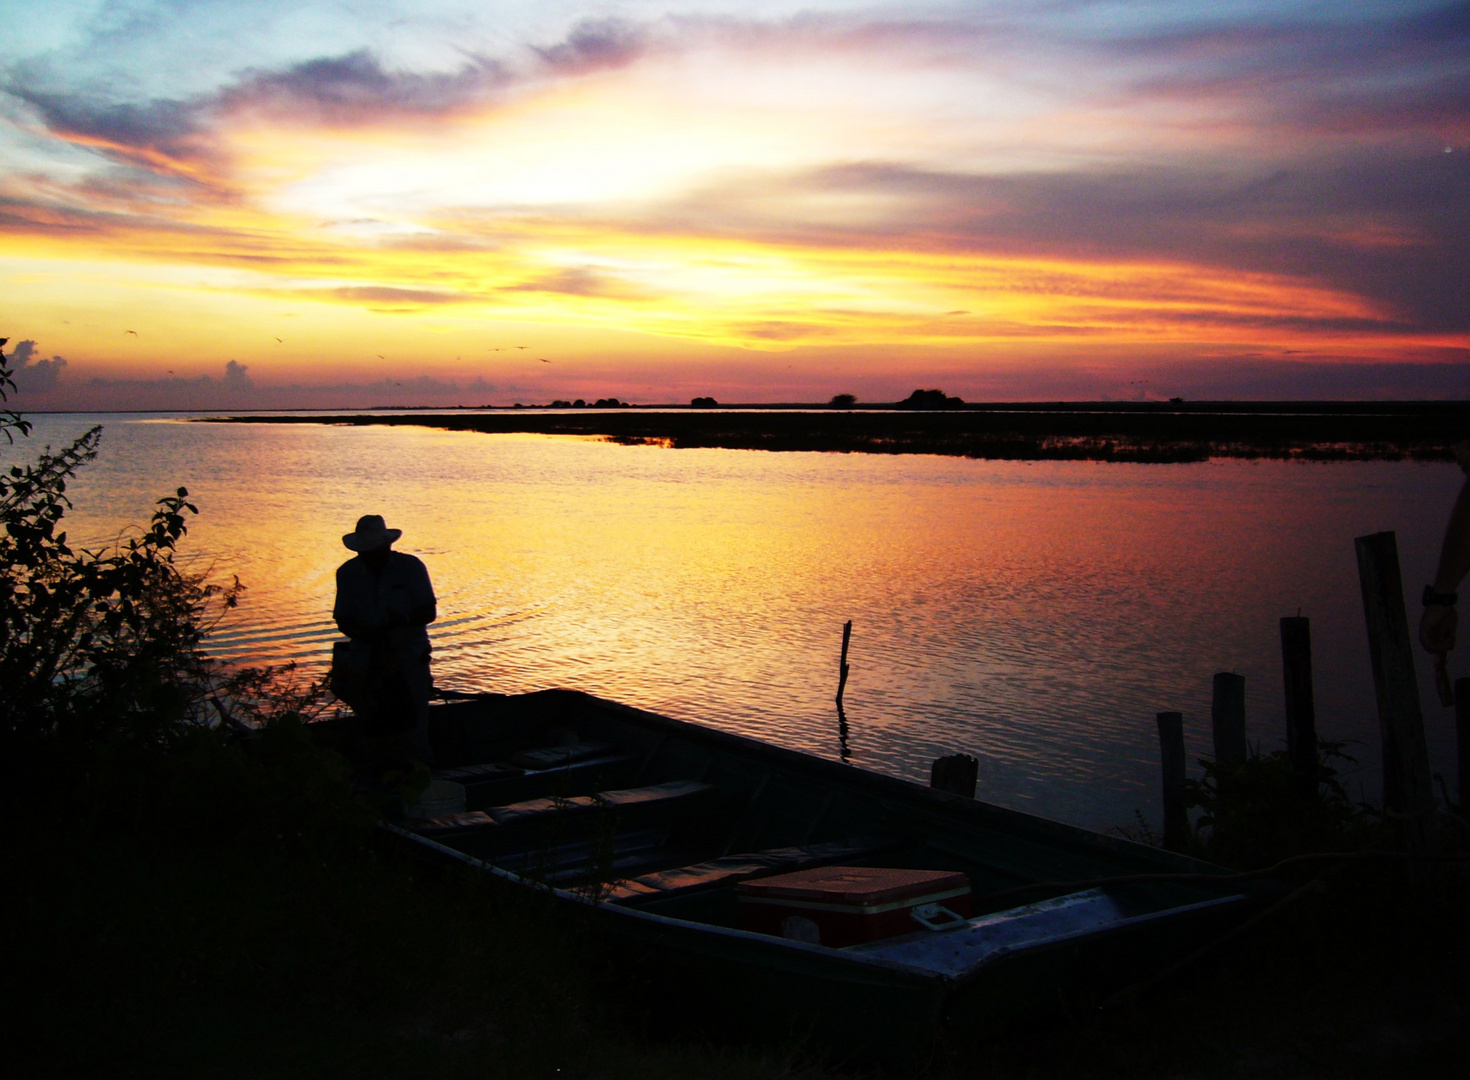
{"x":937,"y":917}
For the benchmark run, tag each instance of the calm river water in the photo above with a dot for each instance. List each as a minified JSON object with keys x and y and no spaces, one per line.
{"x":1036,"y":615}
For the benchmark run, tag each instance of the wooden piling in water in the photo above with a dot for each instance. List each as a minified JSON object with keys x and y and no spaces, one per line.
{"x":1227,"y":715}
{"x":842,"y":669}
{"x":1407,"y":794}
{"x":842,"y":664}
{"x":1462,"y":740}
{"x":1301,"y":712}
{"x":956,"y":773}
{"x":1171,"y":749}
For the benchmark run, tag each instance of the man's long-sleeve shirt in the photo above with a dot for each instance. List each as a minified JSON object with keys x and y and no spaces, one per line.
{"x":377,"y":605}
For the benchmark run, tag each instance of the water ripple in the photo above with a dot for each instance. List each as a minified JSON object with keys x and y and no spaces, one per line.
{"x":1036,"y":615}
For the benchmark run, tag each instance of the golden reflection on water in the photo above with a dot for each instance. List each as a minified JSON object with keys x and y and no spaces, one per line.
{"x":1034,"y":614}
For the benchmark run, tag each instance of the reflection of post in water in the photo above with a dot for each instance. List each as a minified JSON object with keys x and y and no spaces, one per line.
{"x":841,"y":686}
{"x":842,"y":733}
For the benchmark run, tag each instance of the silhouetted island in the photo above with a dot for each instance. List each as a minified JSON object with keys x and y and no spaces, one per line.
{"x":1172,"y":431}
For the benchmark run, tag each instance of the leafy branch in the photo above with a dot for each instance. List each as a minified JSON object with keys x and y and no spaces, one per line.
{"x":105,"y":645}
{"x":1256,"y":812}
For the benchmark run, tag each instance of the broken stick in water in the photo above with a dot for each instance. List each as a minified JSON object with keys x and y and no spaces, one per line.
{"x":842,"y":670}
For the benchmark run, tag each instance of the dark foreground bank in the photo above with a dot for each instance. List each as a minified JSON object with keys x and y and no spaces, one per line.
{"x":1109,"y":431}
{"x":228,"y":909}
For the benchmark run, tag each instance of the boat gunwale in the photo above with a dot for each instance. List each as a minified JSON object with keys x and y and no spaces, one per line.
{"x":1098,"y":933}
{"x":926,"y":798}
{"x":780,"y":946}
{"x":852,"y":962}
{"x":928,"y":801}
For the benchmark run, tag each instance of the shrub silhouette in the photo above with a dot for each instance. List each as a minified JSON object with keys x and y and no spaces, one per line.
{"x":102,"y":647}
{"x":930,"y":399}
{"x":1254,"y":813}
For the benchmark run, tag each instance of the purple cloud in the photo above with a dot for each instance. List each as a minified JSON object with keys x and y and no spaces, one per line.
{"x":34,"y":376}
{"x":1394,"y":229}
{"x":356,"y":88}
{"x":1382,"y":72}
{"x":237,"y":390}
{"x":147,"y":135}
{"x":380,"y":294}
{"x":577,"y":281}
{"x":596,"y":45}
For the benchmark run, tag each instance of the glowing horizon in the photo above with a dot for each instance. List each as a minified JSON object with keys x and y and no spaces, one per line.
{"x":780,"y":205}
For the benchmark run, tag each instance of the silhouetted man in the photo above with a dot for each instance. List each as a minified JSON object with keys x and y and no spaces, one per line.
{"x":1437,"y":626}
{"x":384,"y":602}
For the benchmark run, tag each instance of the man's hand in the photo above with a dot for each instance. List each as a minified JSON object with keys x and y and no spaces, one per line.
{"x":1437,"y":628}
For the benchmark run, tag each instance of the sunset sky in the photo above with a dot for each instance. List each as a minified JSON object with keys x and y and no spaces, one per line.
{"x":327,"y":204}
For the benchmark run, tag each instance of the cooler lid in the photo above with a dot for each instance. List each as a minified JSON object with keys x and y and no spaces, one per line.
{"x":854,"y":884}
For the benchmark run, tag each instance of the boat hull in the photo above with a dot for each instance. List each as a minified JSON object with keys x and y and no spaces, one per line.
{"x":1063,"y":915}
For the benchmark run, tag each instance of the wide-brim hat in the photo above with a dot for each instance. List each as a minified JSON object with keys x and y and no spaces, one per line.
{"x":371,"y":534}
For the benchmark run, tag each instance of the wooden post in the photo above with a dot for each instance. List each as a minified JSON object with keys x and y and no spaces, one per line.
{"x":955,"y":773}
{"x":1227,"y":713}
{"x":1406,"y":783}
{"x":1301,"y":713}
{"x":842,"y":664}
{"x":1171,"y":747}
{"x":1462,"y":737}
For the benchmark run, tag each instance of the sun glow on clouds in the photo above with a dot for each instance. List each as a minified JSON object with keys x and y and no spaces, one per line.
{"x":636,"y":135}
{"x":818,"y":183}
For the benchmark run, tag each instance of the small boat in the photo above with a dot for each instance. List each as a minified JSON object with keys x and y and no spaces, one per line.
{"x":663,"y":833}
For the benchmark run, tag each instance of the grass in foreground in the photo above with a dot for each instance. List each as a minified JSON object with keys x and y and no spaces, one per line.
{"x":228,"y":911}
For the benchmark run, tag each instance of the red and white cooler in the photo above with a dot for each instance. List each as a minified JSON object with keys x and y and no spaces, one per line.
{"x":848,"y":905}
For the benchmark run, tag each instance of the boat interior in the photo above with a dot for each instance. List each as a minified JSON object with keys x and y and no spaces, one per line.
{"x":635,"y":810}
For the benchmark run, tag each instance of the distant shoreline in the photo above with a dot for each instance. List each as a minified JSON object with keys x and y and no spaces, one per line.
{"x":1073,"y":431}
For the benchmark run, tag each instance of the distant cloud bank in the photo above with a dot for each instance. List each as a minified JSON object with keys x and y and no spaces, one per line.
{"x":34,"y":376}
{"x":1230,"y":378}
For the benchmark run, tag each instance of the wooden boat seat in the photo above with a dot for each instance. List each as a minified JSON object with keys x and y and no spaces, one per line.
{"x":536,"y":810}
{"x":556,"y":757}
{"x":579,"y":862}
{"x":535,"y":773}
{"x":479,"y":774}
{"x":729,"y":869}
{"x":539,"y":759}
